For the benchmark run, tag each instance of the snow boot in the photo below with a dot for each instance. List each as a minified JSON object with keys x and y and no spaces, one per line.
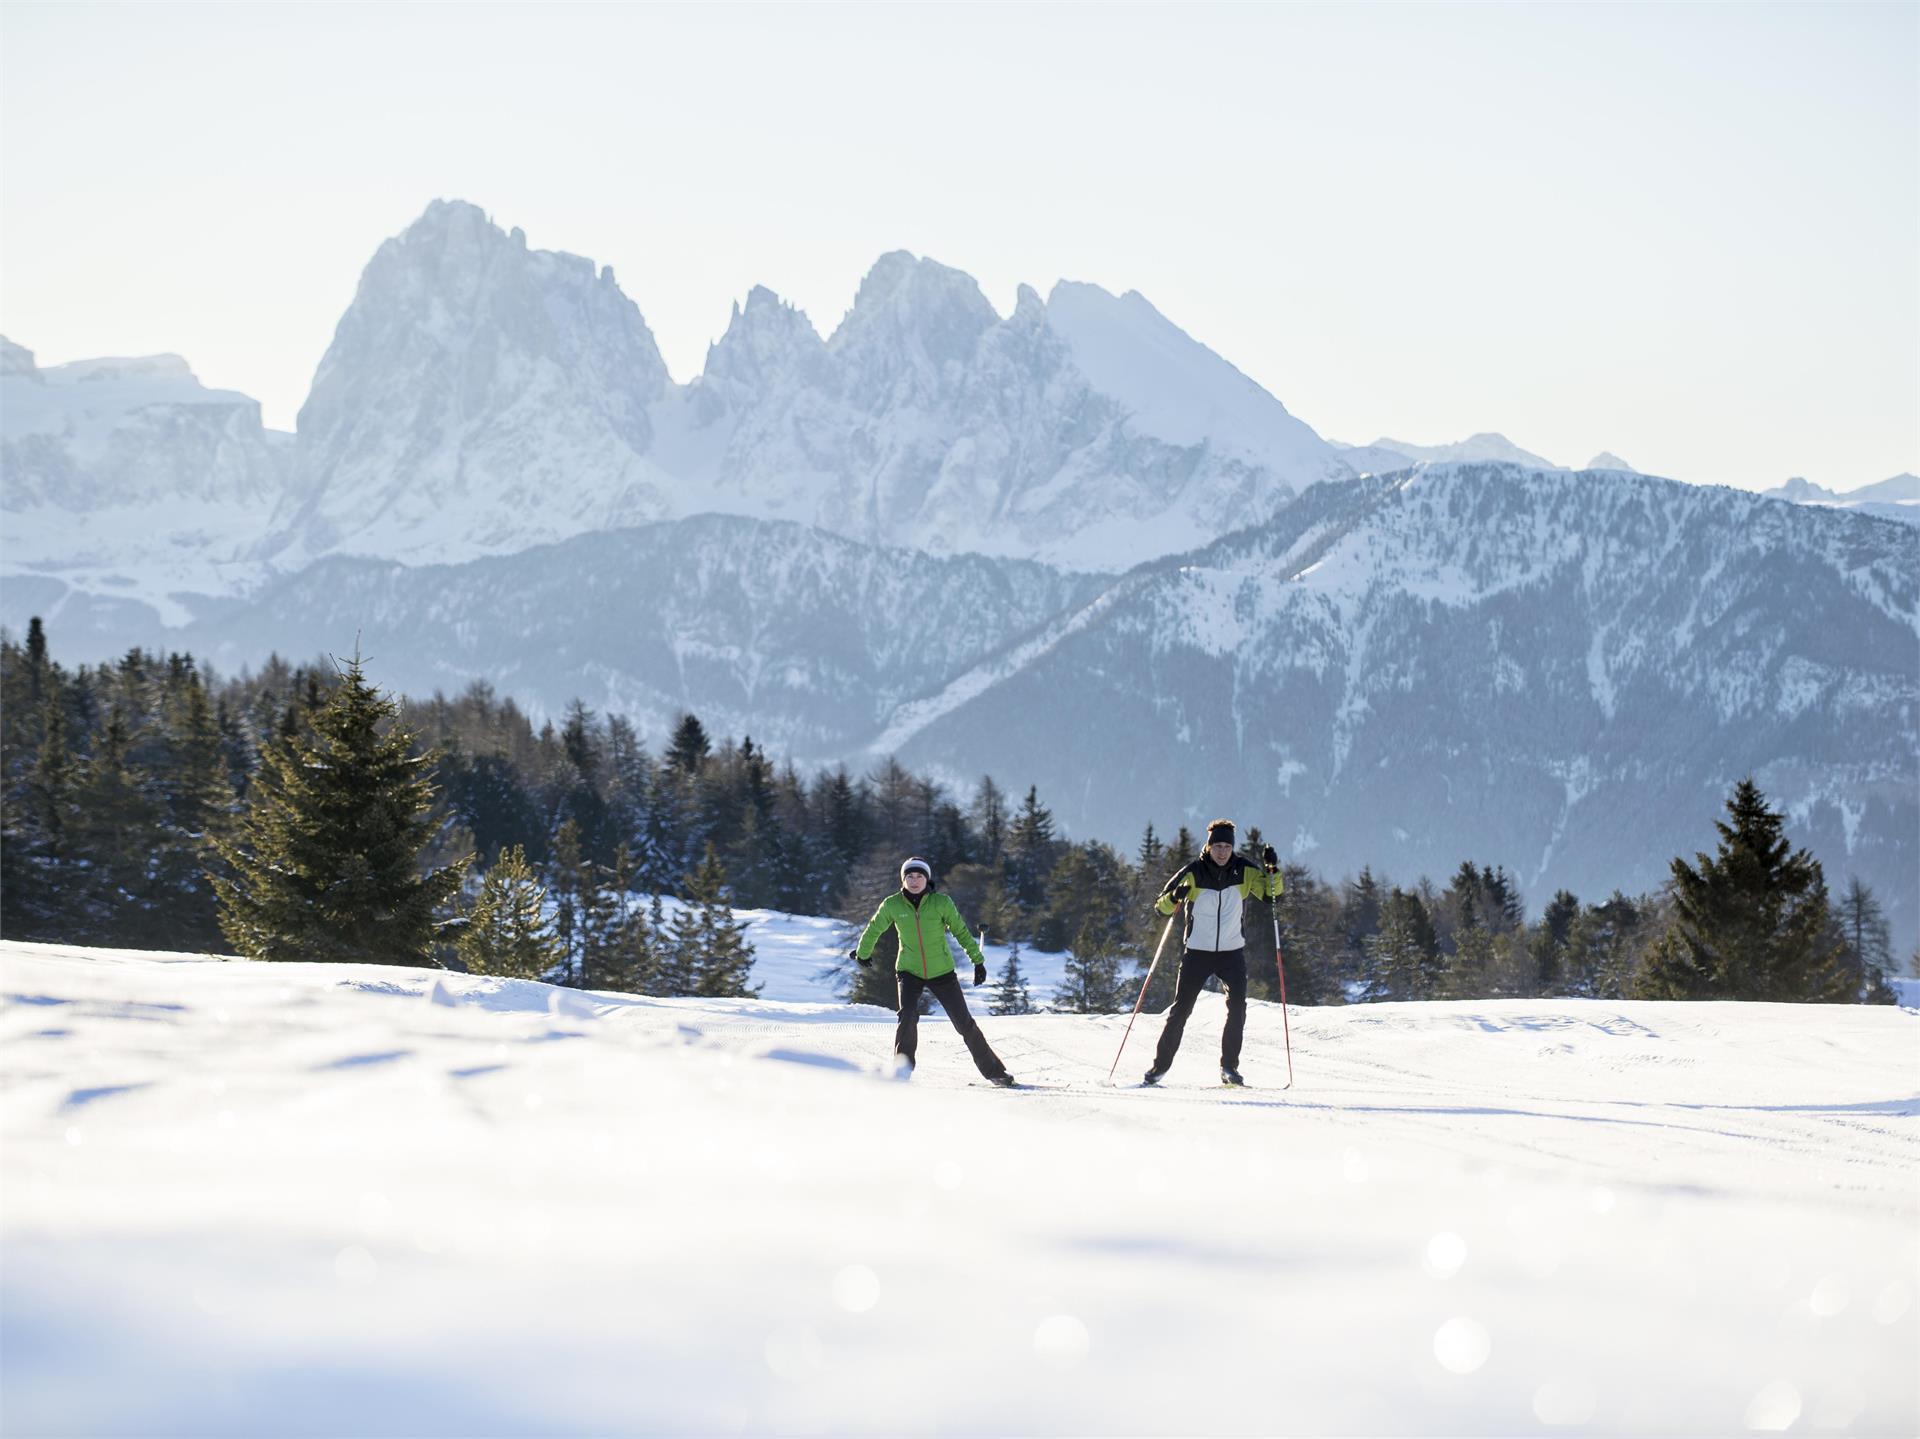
{"x":1230,"y":1076}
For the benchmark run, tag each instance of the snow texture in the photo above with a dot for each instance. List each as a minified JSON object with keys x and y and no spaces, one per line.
{"x":302,"y":1199}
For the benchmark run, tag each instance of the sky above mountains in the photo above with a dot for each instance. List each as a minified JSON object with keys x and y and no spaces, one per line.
{"x":1684,"y":234}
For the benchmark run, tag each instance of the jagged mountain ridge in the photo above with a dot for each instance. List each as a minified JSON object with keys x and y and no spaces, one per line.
{"x":472,"y":375}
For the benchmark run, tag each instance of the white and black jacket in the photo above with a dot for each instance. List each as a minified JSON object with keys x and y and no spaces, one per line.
{"x":1214,"y":895}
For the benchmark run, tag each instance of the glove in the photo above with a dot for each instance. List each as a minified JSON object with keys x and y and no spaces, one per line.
{"x":1269,"y":859}
{"x":979,"y":975}
{"x":862,"y":960}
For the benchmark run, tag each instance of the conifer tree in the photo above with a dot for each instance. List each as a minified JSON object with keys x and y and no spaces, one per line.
{"x":324,"y":861}
{"x":1010,"y":992}
{"x":199,"y":804}
{"x":1403,"y":957}
{"x":1869,"y":941}
{"x":990,"y":820}
{"x":1091,"y":983}
{"x":690,"y":747}
{"x":1750,"y":921}
{"x":509,"y":932}
{"x":1031,"y":852}
{"x":706,"y":930}
{"x":119,"y":824}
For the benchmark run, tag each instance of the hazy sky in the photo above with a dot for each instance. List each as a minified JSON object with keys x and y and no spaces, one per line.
{"x":1689,"y":234}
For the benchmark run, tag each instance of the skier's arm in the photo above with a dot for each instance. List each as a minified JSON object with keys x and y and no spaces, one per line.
{"x":1178,"y":889}
{"x":876,"y":927}
{"x":951,"y":919}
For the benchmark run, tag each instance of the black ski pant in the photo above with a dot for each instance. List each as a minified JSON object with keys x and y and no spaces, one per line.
{"x":953,"y":999}
{"x":1197,"y":966}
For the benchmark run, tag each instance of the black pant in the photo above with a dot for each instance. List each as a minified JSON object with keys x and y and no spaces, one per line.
{"x":953,"y":999}
{"x":1197,"y":966}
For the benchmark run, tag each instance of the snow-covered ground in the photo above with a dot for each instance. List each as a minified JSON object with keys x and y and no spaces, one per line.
{"x":243,"y":1199}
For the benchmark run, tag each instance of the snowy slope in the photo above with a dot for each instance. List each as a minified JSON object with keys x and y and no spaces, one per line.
{"x":245,"y":1200}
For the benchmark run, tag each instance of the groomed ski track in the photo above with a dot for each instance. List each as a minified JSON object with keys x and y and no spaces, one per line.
{"x":302,"y":1199}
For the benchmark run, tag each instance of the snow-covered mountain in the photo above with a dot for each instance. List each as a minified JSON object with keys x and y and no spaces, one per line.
{"x":481,"y":397}
{"x":1562,"y":673}
{"x":1479,"y":448}
{"x":1897,"y":498}
{"x":128,"y":476}
{"x":478,"y":397}
{"x":1547,"y":670}
{"x":763,"y":627}
{"x":1608,"y":460}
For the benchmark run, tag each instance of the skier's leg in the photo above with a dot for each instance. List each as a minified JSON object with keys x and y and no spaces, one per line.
{"x":906,"y":1034}
{"x":1232,"y":969}
{"x":953,"y":999}
{"x":1186,"y":990}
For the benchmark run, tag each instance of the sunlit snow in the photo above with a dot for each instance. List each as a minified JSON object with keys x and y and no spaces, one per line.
{"x":245,"y":1199}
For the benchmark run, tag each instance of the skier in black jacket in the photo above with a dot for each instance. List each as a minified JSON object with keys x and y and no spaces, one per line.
{"x":1213,"y":889}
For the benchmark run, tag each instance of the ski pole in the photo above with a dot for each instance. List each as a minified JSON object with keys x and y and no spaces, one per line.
{"x":1143,"y":991}
{"x":1280,"y":964}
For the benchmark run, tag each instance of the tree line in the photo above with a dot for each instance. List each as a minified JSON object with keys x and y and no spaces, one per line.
{"x":296,"y":811}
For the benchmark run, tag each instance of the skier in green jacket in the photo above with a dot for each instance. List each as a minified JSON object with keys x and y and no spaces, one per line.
{"x":924,"y":917}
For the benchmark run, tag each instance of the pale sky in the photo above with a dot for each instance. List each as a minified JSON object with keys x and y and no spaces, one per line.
{"x":1689,"y":234}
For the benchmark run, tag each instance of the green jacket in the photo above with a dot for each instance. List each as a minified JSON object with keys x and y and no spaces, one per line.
{"x":923,"y":945}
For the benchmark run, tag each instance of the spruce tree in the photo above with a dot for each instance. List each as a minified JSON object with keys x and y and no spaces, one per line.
{"x":324,"y":861}
{"x":116,"y":837}
{"x":1092,"y":980}
{"x":1751,"y":921}
{"x":706,"y":927}
{"x":199,"y":809}
{"x":508,"y":932}
{"x":1403,"y":957}
{"x":1031,"y":853}
{"x":1869,"y":941}
{"x":690,"y":747}
{"x":1010,"y":993}
{"x":990,"y":819}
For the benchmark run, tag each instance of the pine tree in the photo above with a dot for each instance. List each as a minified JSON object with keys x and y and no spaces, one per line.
{"x":1010,"y":993}
{"x":323,"y":864}
{"x":1752,"y":920}
{"x":724,"y":954}
{"x":1151,"y":851}
{"x":118,"y":823}
{"x":1549,"y":945}
{"x":1869,"y":941}
{"x":1092,"y":980}
{"x":508,"y":933}
{"x":690,"y":747}
{"x":1403,"y":957}
{"x":199,"y":809}
{"x":1031,"y":854}
{"x":990,"y":820}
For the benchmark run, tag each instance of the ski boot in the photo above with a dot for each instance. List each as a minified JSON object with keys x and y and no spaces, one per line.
{"x":1152,"y":1077}
{"x":1231,"y":1077}
{"x":1005,"y":1081}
